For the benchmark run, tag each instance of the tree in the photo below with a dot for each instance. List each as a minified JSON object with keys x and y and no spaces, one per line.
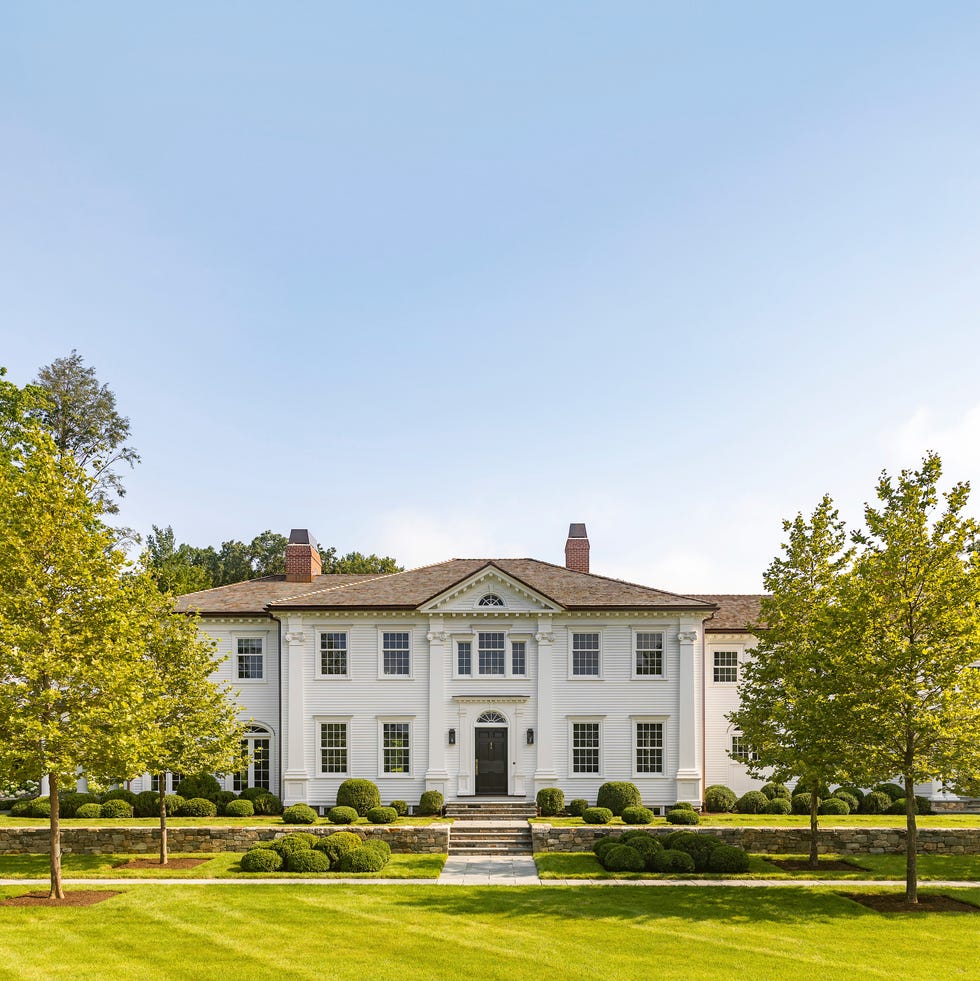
{"x":913,"y":602}
{"x":793,"y":712}
{"x":355,"y":563}
{"x":175,"y":569}
{"x":81,"y":416}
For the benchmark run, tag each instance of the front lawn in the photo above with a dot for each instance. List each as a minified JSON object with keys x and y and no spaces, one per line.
{"x":789,"y":821}
{"x":256,"y":821}
{"x":425,"y":932}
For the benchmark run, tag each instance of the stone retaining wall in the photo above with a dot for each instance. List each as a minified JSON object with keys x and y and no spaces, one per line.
{"x":778,"y":841}
{"x":432,"y":839}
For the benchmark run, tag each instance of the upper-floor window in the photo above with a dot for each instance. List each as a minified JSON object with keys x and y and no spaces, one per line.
{"x":726,"y":666}
{"x":585,"y":655}
{"x":249,"y":658}
{"x":491,"y":599}
{"x":333,"y":652}
{"x":464,"y":657}
{"x":490,"y":648}
{"x":496,"y":656}
{"x":396,"y":653}
{"x":649,"y":654}
{"x":518,"y":657}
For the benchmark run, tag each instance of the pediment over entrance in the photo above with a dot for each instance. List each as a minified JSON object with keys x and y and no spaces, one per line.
{"x":493,"y":592}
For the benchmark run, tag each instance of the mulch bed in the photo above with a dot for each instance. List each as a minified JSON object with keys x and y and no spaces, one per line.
{"x":826,"y":865}
{"x":154,"y":863}
{"x":895,"y":903}
{"x":80,"y":897}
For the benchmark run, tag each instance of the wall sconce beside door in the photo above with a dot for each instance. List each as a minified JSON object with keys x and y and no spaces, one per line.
{"x":452,"y":737}
{"x":530,"y":737}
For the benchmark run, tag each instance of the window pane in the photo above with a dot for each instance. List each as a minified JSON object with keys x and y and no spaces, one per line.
{"x":649,"y":747}
{"x":650,"y":654}
{"x":464,"y":657}
{"x":726,"y":666}
{"x":518,"y":657}
{"x":333,"y":653}
{"x":260,"y":766}
{"x":333,"y":747}
{"x":395,"y":747}
{"x":585,"y":747}
{"x":395,"y":653}
{"x":491,"y":653}
{"x":585,"y":655}
{"x":249,"y":657}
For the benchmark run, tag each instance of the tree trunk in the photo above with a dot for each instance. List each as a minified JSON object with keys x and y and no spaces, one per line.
{"x":56,"y":891}
{"x":814,"y":861}
{"x":163,"y":818}
{"x":911,"y":844}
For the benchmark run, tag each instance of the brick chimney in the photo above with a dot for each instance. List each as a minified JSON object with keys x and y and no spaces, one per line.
{"x":577,"y":549}
{"x":302,"y":558}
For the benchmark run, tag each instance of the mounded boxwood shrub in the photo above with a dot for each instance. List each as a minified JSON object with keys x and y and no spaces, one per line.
{"x":337,"y":845}
{"x":148,"y":804}
{"x":199,"y":807}
{"x":431,"y":803}
{"x":119,"y":793}
{"x":681,"y":805}
{"x":856,"y":792}
{"x":341,"y":815}
{"x":40,"y":807}
{"x":551,"y":801}
{"x":896,"y":806}
{"x":719,"y":799}
{"x":400,"y":806}
{"x":699,"y":847}
{"x":637,"y":815}
{"x":834,"y":805}
{"x":601,"y":845}
{"x":72,"y":801}
{"x":239,"y":809}
{"x":622,"y":858}
{"x":363,"y":859}
{"x":382,"y":815}
{"x":89,"y":811}
{"x":266,"y":803}
{"x":775,"y":790}
{"x":852,"y":802}
{"x":646,"y":846}
{"x":307,"y":860}
{"x":117,"y":808}
{"x":198,"y":785}
{"x":295,"y":841}
{"x":22,"y":808}
{"x":360,"y":794}
{"x":577,"y":807}
{"x":728,"y":858}
{"x":876,"y":803}
{"x":381,"y":845}
{"x":892,"y":789}
{"x":617,"y":795}
{"x":250,"y":793}
{"x":779,"y":805}
{"x":801,"y":803}
{"x":261,"y":860}
{"x":682,"y":817}
{"x":299,"y":814}
{"x":222,"y":798}
{"x":670,"y":860}
{"x":597,"y":815}
{"x":753,"y":802}
{"x":923,"y":804}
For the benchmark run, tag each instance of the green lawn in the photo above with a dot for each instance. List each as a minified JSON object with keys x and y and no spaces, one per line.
{"x":416,"y":932}
{"x":963,"y":868}
{"x":256,"y":821}
{"x":794,"y":821}
{"x":223,"y":865}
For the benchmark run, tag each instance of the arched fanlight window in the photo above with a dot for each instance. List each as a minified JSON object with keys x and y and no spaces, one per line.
{"x":491,"y":599}
{"x":491,"y":718}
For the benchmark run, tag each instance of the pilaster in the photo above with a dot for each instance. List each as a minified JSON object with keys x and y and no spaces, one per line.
{"x":688,"y":770}
{"x":437,"y":775}
{"x":544,"y":744}
{"x":295,"y":779}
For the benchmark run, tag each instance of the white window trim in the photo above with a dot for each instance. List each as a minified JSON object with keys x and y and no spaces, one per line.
{"x":329,"y":628}
{"x":262,"y":635}
{"x":571,"y":654}
{"x":634,"y":720}
{"x":739,"y":651}
{"x":395,"y":628}
{"x":410,"y":720}
{"x":578,"y":719}
{"x":472,"y":637}
{"x":738,"y":760}
{"x":648,"y":677}
{"x":318,"y":720}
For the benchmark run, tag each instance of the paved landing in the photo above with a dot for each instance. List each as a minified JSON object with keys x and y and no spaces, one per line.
{"x":489,"y":870}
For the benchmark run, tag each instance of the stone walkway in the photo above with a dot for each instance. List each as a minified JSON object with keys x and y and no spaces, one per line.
{"x":489,"y":870}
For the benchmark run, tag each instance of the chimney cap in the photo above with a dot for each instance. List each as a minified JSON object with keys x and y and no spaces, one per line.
{"x":301,"y":536}
{"x":577,"y":531}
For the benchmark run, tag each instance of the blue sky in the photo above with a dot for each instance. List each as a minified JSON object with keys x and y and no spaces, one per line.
{"x":436,"y":280}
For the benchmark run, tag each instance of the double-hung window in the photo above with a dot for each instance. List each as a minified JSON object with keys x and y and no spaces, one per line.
{"x":464,"y":657}
{"x":491,"y":652}
{"x":249,"y":658}
{"x":725,"y":667}
{"x":333,"y":653}
{"x":333,"y":747}
{"x":396,"y":654}
{"x":518,"y":658}
{"x":649,"y":747}
{"x":585,"y":655}
{"x":648,"y":654}
{"x":585,"y":747}
{"x":741,"y":750}
{"x":396,"y":748}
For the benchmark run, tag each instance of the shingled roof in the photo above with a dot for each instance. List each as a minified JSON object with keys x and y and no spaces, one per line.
{"x":736,"y":613}
{"x":413,"y":588}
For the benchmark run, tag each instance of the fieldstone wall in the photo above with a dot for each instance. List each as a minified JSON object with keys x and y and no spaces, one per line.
{"x":432,"y":839}
{"x":778,"y":841}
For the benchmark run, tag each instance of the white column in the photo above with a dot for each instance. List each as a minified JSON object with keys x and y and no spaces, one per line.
{"x":466,"y":783}
{"x":295,"y":779}
{"x":81,"y":781}
{"x":545,"y":728}
{"x":45,"y":788}
{"x":437,"y":776}
{"x":688,"y":769}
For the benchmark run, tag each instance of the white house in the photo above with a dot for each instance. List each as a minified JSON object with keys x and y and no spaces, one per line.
{"x":479,"y":677}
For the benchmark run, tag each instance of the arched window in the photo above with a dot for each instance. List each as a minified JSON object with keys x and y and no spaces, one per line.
{"x":491,"y":599}
{"x":491,"y":718}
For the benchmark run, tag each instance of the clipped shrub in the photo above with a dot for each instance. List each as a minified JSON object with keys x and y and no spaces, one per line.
{"x":728,"y":858}
{"x":834,"y":805}
{"x":261,"y":860}
{"x":400,"y":806}
{"x":381,"y":845}
{"x":876,"y":803}
{"x":198,"y":785}
{"x":801,"y":803}
{"x":602,"y":845}
{"x":597,"y":815}
{"x":719,"y":799}
{"x":73,"y":800}
{"x":119,"y":793}
{"x":117,"y":808}
{"x":923,"y":805}
{"x":699,"y":847}
{"x":551,"y":801}
{"x":896,"y":806}
{"x":646,"y":845}
{"x":239,"y":809}
{"x":341,"y":815}
{"x":682,"y":817}
{"x":147,"y":804}
{"x":856,"y":792}
{"x":779,"y":805}
{"x":363,"y":859}
{"x":892,"y":789}
{"x":681,"y":805}
{"x":622,"y":858}
{"x":577,"y":807}
{"x":382,"y":815}
{"x":307,"y":860}
{"x":776,"y":790}
{"x":294,"y":841}
{"x":224,"y":797}
{"x":852,"y":802}
{"x":22,"y":808}
{"x":41,"y":807}
{"x":266,"y":803}
{"x":617,"y":795}
{"x":362,"y":795}
{"x":753,"y":802}
{"x":670,"y":860}
{"x":89,"y":811}
{"x":637,"y":815}
{"x":299,"y":814}
{"x":337,"y":845}
{"x":431,"y":803}
{"x":250,"y":793}
{"x":199,"y":807}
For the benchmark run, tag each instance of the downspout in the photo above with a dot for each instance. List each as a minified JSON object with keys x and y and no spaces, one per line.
{"x":279,"y":705}
{"x":704,"y":705}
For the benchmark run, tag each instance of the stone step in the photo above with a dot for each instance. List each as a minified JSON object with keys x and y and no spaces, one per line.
{"x":484,"y":839}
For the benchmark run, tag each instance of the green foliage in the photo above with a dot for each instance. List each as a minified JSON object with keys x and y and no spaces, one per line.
{"x":876,"y":803}
{"x":551,"y":801}
{"x":299,"y":814}
{"x":892,"y":789}
{"x":71,"y":802}
{"x":856,"y":792}
{"x":597,"y":815}
{"x":341,"y":815}
{"x":261,"y":860}
{"x":293,"y":841}
{"x":728,"y":858}
{"x":381,"y":845}
{"x":117,"y":808}
{"x":682,"y":817}
{"x":923,"y":805}
{"x":779,"y":805}
{"x":40,"y":807}
{"x":752,"y":802}
{"x":681,"y":805}
{"x":356,"y":563}
{"x":251,"y":793}
{"x":400,"y":806}
{"x":362,"y":795}
{"x":88,"y":811}
{"x":198,"y":807}
{"x":266,"y":803}
{"x":363,"y":859}
{"x":223,"y":798}
{"x":622,"y":858}
{"x":431,"y":803}
{"x":239,"y":808}
{"x":618,"y":795}
{"x":22,"y":807}
{"x":852,"y":802}
{"x":834,"y":805}
{"x":698,"y":846}
{"x":774,"y":790}
{"x":600,"y":845}
{"x":637,"y":815}
{"x":307,"y":860}
{"x":577,"y":807}
{"x":800,"y":803}
{"x":118,"y":793}
{"x":719,"y":799}
{"x":198,"y":785}
{"x":382,"y":815}
{"x":337,"y":845}
{"x":147,"y":804}
{"x":670,"y":860}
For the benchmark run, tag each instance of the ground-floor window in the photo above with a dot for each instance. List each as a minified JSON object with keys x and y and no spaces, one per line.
{"x":585,"y":747}
{"x":333,"y":747}
{"x":396,"y":747}
{"x":171,"y":782}
{"x":649,"y":747}
{"x":741,"y":750}
{"x":257,"y":743}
